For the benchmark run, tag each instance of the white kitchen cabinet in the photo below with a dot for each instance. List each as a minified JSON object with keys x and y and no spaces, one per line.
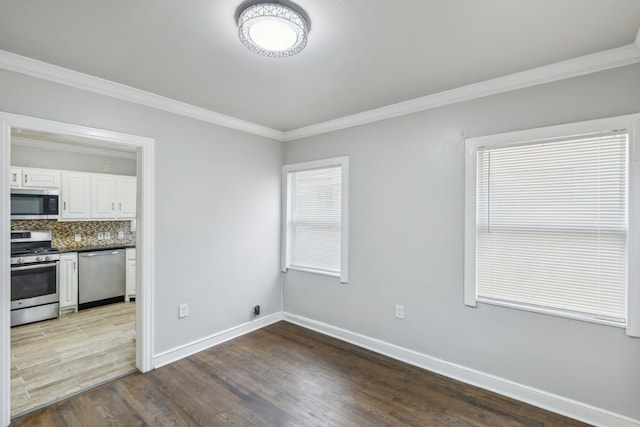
{"x":68,"y":281}
{"x":75,"y":196}
{"x":113,"y":196}
{"x":40,"y":178}
{"x":130,"y":274}
{"x":126,"y":197}
{"x":15,"y":177}
{"x":103,"y":196}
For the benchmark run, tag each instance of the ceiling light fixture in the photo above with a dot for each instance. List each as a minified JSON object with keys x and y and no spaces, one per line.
{"x":272,"y":29}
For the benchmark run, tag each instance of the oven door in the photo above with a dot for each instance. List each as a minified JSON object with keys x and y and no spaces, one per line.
{"x":34,"y":284}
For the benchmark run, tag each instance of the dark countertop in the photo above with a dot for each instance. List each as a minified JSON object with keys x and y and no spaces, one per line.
{"x":86,"y":248}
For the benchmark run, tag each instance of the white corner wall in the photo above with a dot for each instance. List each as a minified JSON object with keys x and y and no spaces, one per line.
{"x":406,"y":247}
{"x":217,"y":209}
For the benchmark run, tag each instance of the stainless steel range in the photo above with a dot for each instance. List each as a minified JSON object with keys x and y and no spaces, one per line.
{"x":34,"y":277}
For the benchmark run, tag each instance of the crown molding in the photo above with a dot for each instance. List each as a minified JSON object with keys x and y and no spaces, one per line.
{"x":32,"y":67}
{"x":59,"y":146}
{"x":600,"y":61}
{"x":582,"y":65}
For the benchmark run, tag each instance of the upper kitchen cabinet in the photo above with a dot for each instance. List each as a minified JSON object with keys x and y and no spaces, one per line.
{"x":113,"y":197}
{"x":34,"y":178}
{"x":15,"y":177}
{"x":75,"y":196}
{"x":126,"y":196}
{"x":40,"y":178}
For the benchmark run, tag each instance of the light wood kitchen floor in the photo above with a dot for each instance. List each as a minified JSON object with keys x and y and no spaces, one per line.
{"x":57,"y":358}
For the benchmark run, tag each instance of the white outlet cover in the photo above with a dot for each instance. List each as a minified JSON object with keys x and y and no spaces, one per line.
{"x":121,"y":235}
{"x":183,"y":310}
{"x":107,"y":234}
{"x":77,"y":237}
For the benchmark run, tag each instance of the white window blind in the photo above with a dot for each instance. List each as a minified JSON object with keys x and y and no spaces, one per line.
{"x":315,"y":228}
{"x":551,"y":225}
{"x":315,"y":217}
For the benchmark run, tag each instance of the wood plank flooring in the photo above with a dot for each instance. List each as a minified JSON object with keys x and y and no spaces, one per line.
{"x":56,"y":358}
{"x":285,"y":375}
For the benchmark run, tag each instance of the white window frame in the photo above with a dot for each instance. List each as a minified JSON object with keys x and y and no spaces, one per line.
{"x":343,"y":162}
{"x":629,"y":122}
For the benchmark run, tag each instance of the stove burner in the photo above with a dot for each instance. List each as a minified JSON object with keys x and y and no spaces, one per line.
{"x":34,"y":251}
{"x":32,"y":247}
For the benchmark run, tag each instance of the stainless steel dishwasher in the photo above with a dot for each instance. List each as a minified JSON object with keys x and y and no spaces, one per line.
{"x":101,"y":277}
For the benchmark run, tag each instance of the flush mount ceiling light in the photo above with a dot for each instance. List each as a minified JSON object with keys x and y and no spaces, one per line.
{"x":272,"y":29}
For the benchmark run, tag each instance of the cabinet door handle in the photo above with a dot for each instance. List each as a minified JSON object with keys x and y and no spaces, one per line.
{"x":74,"y":266}
{"x":64,"y":204}
{"x":14,"y":177}
{"x":25,"y":178}
{"x":120,"y":204}
{"x":113,"y":206}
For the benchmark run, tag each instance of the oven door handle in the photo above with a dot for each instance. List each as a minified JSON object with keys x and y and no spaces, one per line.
{"x":33,"y":267}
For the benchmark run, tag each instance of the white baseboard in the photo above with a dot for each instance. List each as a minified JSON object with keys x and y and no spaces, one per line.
{"x":194,"y":347}
{"x":540,"y":398}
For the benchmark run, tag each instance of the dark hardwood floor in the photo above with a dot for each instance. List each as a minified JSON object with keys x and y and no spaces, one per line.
{"x":285,"y":375}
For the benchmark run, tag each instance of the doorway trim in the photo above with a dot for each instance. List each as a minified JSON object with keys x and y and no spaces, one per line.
{"x":144,"y":239}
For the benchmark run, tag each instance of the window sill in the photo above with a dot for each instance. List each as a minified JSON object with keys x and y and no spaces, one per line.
{"x":554,"y":312}
{"x":314,"y":271}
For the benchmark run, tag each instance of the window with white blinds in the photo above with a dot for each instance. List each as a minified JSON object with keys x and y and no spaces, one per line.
{"x":315,"y":221}
{"x":551,"y":225}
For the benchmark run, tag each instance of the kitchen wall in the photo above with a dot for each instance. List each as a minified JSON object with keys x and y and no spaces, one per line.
{"x":65,"y":158}
{"x":45,"y":158}
{"x":217,"y":207}
{"x":406,"y":247}
{"x":63,"y":232}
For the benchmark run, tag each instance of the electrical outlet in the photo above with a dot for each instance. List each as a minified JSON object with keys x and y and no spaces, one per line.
{"x":77,"y":237}
{"x":120,"y":235}
{"x":107,"y":235}
{"x":183,"y":310}
{"x":107,"y":167}
{"x":100,"y":235}
{"x":256,"y":310}
{"x":399,"y":311}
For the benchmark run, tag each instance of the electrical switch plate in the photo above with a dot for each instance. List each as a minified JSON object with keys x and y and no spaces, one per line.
{"x":100,"y":235}
{"x":120,"y":235}
{"x":77,"y":237}
{"x":107,"y":167}
{"x":183,"y":310}
{"x":400,"y":311}
{"x":107,"y":234}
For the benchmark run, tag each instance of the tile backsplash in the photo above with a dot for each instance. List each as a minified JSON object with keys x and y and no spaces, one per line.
{"x":63,"y":232}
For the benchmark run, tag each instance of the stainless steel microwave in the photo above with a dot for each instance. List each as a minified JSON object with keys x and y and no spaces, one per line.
{"x":34,"y":203}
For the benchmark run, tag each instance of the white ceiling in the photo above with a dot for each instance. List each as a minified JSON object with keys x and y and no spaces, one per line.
{"x":361,"y":54}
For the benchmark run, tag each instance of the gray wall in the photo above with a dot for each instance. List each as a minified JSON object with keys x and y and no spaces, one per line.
{"x":406,"y":246}
{"x":219,"y":253}
{"x":217,"y":207}
{"x":38,"y":157}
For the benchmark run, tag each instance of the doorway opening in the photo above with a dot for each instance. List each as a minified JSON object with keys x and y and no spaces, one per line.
{"x":140,"y":148}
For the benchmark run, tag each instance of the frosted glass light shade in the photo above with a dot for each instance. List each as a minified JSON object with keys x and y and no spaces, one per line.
{"x":272,"y":29}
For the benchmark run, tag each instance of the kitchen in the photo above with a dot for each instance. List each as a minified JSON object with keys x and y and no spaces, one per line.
{"x":73,"y":236}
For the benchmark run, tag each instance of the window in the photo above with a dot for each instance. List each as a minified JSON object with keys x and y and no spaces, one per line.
{"x":315,"y":217}
{"x":550,"y":223}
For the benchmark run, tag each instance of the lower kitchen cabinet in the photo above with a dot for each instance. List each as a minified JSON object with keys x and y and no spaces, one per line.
{"x":68,"y":282}
{"x":130,"y":274}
